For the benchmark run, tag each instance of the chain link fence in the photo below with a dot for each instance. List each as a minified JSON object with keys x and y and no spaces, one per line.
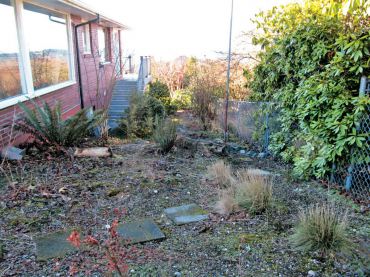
{"x":251,"y":121}
{"x":354,"y":174}
{"x":254,"y":122}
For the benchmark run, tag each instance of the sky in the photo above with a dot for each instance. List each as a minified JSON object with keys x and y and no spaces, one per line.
{"x":167,"y":29}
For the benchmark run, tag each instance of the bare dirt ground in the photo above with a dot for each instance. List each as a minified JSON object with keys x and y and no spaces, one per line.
{"x":47,"y":194}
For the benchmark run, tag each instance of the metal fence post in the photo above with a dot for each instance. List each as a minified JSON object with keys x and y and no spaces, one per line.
{"x":267,"y":133}
{"x":348,"y":182}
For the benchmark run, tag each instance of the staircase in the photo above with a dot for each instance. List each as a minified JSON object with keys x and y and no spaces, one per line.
{"x":123,"y":90}
{"x":120,"y":100}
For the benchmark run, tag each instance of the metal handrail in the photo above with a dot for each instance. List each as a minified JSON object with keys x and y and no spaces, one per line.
{"x":144,"y":72}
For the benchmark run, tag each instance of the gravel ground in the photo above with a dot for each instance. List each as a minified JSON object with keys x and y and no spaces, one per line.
{"x":51,"y":193}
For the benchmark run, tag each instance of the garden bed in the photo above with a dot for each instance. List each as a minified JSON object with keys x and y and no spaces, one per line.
{"x":48,"y":195}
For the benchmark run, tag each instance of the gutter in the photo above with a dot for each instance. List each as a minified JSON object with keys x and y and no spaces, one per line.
{"x":95,"y":20}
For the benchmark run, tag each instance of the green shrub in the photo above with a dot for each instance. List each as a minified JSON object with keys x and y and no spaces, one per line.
{"x":181,"y":99}
{"x":314,"y":56}
{"x":165,"y":134}
{"x":48,"y":127}
{"x":321,"y":228}
{"x":161,"y":92}
{"x":139,"y":119}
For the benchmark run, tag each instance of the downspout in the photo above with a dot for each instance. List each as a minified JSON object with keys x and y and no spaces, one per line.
{"x":97,"y":19}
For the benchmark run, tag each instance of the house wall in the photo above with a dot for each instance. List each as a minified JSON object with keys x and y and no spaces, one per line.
{"x":97,"y":82}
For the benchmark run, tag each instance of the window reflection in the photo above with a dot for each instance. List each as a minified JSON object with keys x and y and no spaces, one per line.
{"x":47,"y":38}
{"x":10,"y":83}
{"x":103,"y":41}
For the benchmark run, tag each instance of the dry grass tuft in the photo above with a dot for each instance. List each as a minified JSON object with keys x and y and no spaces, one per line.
{"x":254,"y":190}
{"x":226,"y":203}
{"x":321,"y":228}
{"x":221,"y":174}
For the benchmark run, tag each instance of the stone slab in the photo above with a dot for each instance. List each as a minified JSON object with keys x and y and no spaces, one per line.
{"x":140,"y":231}
{"x":186,"y":214}
{"x":12,"y":153}
{"x":53,"y":245}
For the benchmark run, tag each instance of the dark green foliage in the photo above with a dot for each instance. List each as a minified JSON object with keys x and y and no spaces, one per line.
{"x":139,"y":120}
{"x":165,"y":134}
{"x":314,"y":58}
{"x":48,"y":127}
{"x":161,"y":92}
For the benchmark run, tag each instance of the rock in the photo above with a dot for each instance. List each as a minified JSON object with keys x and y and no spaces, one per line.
{"x":53,"y":245}
{"x":219,"y":141}
{"x":186,"y":214}
{"x":140,"y":231}
{"x":177,"y":274}
{"x":311,"y":273}
{"x":93,"y":152}
{"x":262,"y":155}
{"x":186,"y":143}
{"x":232,"y":147}
{"x":12,"y":153}
{"x":242,"y":151}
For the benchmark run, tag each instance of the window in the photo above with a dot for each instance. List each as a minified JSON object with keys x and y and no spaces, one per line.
{"x":10,"y":77}
{"x":47,"y":41}
{"x":35,"y":51}
{"x":104,"y":44}
{"x":86,"y":39}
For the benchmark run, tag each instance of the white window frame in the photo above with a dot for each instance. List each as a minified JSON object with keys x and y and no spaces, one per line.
{"x":86,"y":36}
{"x":25,"y":70}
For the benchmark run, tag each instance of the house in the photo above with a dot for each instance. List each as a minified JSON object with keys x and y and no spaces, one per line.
{"x":55,"y":50}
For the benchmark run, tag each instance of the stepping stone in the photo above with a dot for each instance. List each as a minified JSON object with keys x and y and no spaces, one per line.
{"x":54,"y":245}
{"x":140,"y":231}
{"x":186,"y":214}
{"x":12,"y":153}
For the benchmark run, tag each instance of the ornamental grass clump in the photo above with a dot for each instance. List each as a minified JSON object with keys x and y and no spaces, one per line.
{"x":165,"y":134}
{"x":221,"y":174}
{"x":253,"y":190}
{"x":321,"y":228}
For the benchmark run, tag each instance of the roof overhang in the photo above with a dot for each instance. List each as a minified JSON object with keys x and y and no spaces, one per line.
{"x":80,"y":9}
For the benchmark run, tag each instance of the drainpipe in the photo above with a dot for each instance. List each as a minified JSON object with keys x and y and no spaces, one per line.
{"x":95,"y":20}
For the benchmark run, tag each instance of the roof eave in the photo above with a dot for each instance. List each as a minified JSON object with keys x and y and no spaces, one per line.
{"x":84,"y":8}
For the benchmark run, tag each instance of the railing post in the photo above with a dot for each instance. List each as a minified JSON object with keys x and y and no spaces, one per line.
{"x":129,"y":64}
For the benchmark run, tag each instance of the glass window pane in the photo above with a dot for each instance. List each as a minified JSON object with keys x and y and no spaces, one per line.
{"x":101,"y":42}
{"x":86,"y":39}
{"x":47,"y":40}
{"x":10,"y":82}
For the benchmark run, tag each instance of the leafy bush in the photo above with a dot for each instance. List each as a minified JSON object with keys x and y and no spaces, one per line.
{"x":161,"y":92}
{"x":48,"y":127}
{"x":165,"y":134}
{"x":321,"y":228}
{"x":181,"y":99}
{"x":206,"y":89}
{"x":139,"y":120}
{"x":315,"y":54}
